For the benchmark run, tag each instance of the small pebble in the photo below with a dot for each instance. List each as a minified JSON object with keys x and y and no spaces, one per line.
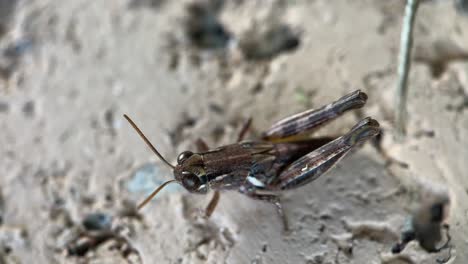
{"x":29,"y":108}
{"x":203,"y":27}
{"x":4,"y":107}
{"x":18,"y":48}
{"x":145,"y":3}
{"x":97,"y":221}
{"x":111,"y":122}
{"x":258,"y":45}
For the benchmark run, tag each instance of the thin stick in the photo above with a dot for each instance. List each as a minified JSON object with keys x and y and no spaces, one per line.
{"x":404,"y":66}
{"x":154,"y":194}
{"x":147,"y":141}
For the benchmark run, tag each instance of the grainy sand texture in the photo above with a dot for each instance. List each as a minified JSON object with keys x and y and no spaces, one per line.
{"x":72,"y":169}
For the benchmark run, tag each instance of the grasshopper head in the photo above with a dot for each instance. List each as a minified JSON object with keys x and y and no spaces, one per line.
{"x":189,"y":172}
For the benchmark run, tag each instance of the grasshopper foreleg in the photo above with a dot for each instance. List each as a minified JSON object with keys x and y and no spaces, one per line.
{"x":245,"y":128}
{"x":202,"y":146}
{"x":212,"y":204}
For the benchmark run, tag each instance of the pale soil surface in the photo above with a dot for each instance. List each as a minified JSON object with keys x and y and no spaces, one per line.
{"x":70,"y":69}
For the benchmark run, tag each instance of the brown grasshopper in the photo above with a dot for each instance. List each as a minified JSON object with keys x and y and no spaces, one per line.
{"x":283,"y":158}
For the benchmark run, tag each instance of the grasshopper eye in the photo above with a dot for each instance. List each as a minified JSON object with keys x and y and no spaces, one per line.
{"x":190,"y":181}
{"x":183,"y":156}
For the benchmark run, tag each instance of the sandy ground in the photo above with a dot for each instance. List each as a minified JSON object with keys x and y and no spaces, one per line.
{"x":70,"y":69}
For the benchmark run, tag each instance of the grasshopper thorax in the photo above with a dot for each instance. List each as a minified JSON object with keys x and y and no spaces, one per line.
{"x":190,"y":172}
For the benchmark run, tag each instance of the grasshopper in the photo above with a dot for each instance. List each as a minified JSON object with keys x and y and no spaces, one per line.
{"x":283,"y":158}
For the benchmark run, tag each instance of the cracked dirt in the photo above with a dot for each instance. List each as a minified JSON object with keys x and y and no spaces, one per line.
{"x":72,"y":169}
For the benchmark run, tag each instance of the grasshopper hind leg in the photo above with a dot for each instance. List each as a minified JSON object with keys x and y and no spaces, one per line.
{"x":301,"y":124}
{"x":314,"y":164}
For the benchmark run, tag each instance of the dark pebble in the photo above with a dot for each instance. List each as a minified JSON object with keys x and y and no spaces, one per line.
{"x":97,"y":221}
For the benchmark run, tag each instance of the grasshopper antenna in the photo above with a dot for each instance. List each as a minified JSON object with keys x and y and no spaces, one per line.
{"x":148,"y":142}
{"x":151,"y":196}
